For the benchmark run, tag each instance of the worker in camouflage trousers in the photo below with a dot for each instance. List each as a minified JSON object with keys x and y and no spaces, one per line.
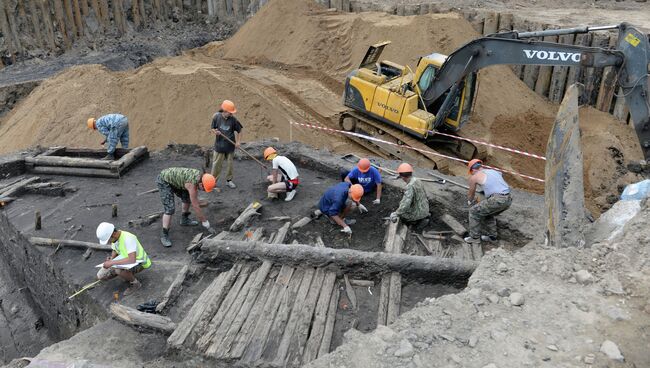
{"x":482,"y":215}
{"x":115,"y":128}
{"x":414,"y":207}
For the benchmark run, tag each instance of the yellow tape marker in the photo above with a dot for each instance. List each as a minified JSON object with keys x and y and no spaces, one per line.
{"x":632,"y":39}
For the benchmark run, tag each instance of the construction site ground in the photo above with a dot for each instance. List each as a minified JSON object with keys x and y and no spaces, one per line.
{"x":289,"y":62}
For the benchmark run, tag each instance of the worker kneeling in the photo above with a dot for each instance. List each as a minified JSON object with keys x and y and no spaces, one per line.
{"x":369,"y":178}
{"x":127,"y":258}
{"x":284,"y":176}
{"x":482,"y":220}
{"x":414,"y":207}
{"x":184,"y":183}
{"x":337,"y":203}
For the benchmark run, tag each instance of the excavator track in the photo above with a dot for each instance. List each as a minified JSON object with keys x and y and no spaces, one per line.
{"x":354,"y":122}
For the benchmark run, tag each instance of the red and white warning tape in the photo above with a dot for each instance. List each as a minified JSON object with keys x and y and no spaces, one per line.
{"x":490,"y":145}
{"x":311,"y":126}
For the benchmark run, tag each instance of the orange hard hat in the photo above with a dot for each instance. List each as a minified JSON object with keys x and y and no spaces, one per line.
{"x":208,"y":182}
{"x":268,"y":152}
{"x":404,"y":168}
{"x":472,"y":163}
{"x":356,"y":191}
{"x":363,"y":165}
{"x":91,"y":123}
{"x":228,"y":106}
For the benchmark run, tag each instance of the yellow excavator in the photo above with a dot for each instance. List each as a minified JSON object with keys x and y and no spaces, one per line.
{"x":391,"y":102}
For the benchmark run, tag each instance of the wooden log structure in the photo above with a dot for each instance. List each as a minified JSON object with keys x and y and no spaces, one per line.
{"x":354,"y":262}
{"x":136,"y":318}
{"x":246,"y":215}
{"x":48,"y":242}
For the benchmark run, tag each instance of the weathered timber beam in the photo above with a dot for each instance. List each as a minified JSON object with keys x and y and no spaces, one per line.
{"x":136,"y":318}
{"x":18,"y":187}
{"x":128,"y":159}
{"x":353,"y":262}
{"x":47,"y":242}
{"x":68,"y":162}
{"x":77,"y":171}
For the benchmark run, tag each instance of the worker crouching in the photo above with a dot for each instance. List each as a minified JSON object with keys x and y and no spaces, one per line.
{"x":414,"y":207}
{"x":183,"y":183}
{"x":284,"y":175}
{"x":115,"y":128}
{"x":126,"y":252}
{"x":338,"y":201}
{"x":482,"y":220}
{"x":369,"y":178}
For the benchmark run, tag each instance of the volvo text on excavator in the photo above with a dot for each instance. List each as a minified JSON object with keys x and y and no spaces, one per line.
{"x":390,"y":101}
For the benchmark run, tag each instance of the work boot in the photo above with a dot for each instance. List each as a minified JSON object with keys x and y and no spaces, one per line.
{"x":488,"y":238}
{"x":134,"y":286}
{"x":164,"y":238}
{"x":230,"y":184}
{"x":109,"y":157}
{"x":187,"y":221}
{"x":290,"y":196}
{"x":471,"y":240}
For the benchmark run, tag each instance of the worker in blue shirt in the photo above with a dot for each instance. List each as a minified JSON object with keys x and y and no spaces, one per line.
{"x":369,"y":178}
{"x":115,"y":127}
{"x":337,"y":202}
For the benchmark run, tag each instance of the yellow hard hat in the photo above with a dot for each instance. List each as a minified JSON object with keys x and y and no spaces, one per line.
{"x":91,"y":123}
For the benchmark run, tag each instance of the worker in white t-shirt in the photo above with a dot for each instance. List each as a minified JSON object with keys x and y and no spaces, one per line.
{"x":284,"y":177}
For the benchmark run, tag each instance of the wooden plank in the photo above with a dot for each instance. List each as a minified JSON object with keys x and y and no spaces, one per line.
{"x":281,"y":287}
{"x":174,"y":289}
{"x":299,"y":303}
{"x":135,"y":13}
{"x":394,"y":297}
{"x":453,"y":224}
{"x":477,"y":251}
{"x":326,"y":342}
{"x":47,"y":242}
{"x":105,"y":13}
{"x":75,"y":171}
{"x":521,"y":25}
{"x":245,"y":333}
{"x":34,"y":17}
{"x":543,"y":83}
{"x":593,"y":75}
{"x":384,"y":290}
{"x":577,"y":73}
{"x":559,"y":74}
{"x":320,"y":318}
{"x":118,"y":14}
{"x":222,"y":316}
{"x":142,"y":11}
{"x":84,"y":7}
{"x":222,"y":343}
{"x":249,"y":212}
{"x":18,"y":187}
{"x":68,"y":162}
{"x":352,"y":296}
{"x":491,"y":23}
{"x":70,"y":21}
{"x":47,"y":22}
{"x":6,"y":31}
{"x":609,"y":82}
{"x":13,"y":27}
{"x":77,"y":18}
{"x":136,"y":318}
{"x":301,"y":334}
{"x":204,"y":307}
{"x":281,"y":235}
{"x":621,"y":110}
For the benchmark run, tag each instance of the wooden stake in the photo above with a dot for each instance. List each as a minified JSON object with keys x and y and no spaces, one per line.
{"x":142,"y":11}
{"x":6,"y":31}
{"x":543,"y":82}
{"x":37,"y":220}
{"x":47,"y":21}
{"x":609,"y":83}
{"x":117,"y":16}
{"x":105,"y":14}
{"x":84,"y":7}
{"x":559,"y":75}
{"x":491,"y":23}
{"x":135,"y":11}
{"x":18,"y":187}
{"x":34,"y":17}
{"x":70,"y":20}
{"x":60,"y":21}
{"x":114,"y":210}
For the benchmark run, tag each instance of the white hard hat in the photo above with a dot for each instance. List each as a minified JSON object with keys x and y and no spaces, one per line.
{"x":104,"y":232}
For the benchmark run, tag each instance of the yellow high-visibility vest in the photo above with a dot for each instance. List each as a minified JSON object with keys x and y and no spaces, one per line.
{"x":140,"y":255}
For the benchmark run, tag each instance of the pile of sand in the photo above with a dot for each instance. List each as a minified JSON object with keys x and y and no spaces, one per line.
{"x":289,"y":62}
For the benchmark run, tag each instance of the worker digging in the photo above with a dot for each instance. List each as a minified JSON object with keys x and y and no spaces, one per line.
{"x":184,"y":183}
{"x":127,"y":258}
{"x":338,"y":201}
{"x":228,"y":131}
{"x":284,"y":175}
{"x":414,"y":207}
{"x":115,"y":129}
{"x":366,"y":175}
{"x":482,"y":215}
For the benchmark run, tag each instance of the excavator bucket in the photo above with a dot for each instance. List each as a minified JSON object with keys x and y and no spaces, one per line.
{"x":564,"y":189}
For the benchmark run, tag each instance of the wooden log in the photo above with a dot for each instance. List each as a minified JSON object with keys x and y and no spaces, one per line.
{"x":326,"y":342}
{"x":84,"y":7}
{"x":37,"y":220}
{"x":210,"y":8}
{"x":204,"y":307}
{"x":196,"y":242}
{"x":7,"y":185}
{"x":320,"y":318}
{"x":294,"y":314}
{"x":245,"y":334}
{"x":118,"y":11}
{"x":621,"y":110}
{"x":225,"y":339}
{"x":222,"y":10}
{"x":13,"y":27}
{"x":18,"y":187}
{"x":302,"y":222}
{"x":6,"y":31}
{"x":135,"y":12}
{"x":278,"y":295}
{"x":349,"y":290}
{"x":453,"y":224}
{"x":425,"y":244}
{"x":228,"y":308}
{"x":354,"y":262}
{"x":174,"y":290}
{"x":245,"y":216}
{"x":105,"y":13}
{"x":395,"y":287}
{"x":300,"y":335}
{"x":69,"y":21}
{"x":362,"y":283}
{"x":543,"y":83}
{"x":609,"y":83}
{"x":142,"y":12}
{"x":491,"y":23}
{"x":136,"y":318}
{"x":77,"y":18}
{"x":34,"y":17}
{"x":281,"y":235}
{"x":68,"y":162}
{"x":384,"y":290}
{"x":577,"y":73}
{"x":75,"y":171}
{"x":47,"y":22}
{"x":559,"y":74}
{"x":48,"y":242}
{"x":521,"y":25}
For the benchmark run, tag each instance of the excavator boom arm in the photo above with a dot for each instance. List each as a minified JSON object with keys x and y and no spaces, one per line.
{"x":631,"y":57}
